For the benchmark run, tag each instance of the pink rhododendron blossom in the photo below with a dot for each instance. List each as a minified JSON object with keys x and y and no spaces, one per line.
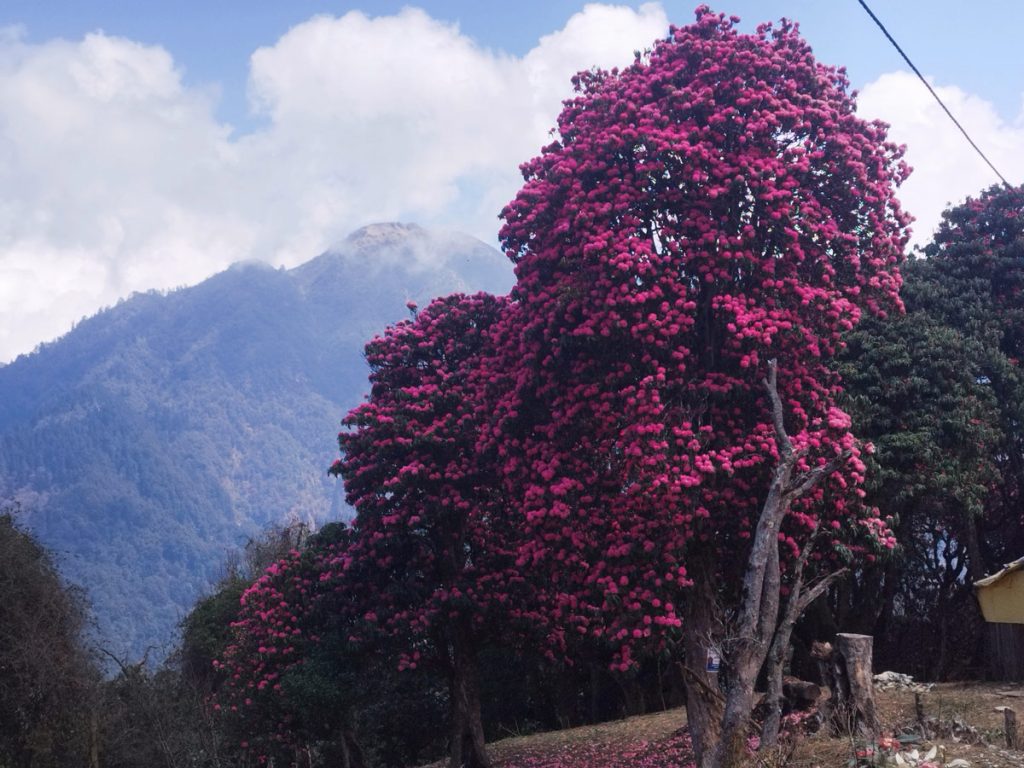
{"x":715,"y":205}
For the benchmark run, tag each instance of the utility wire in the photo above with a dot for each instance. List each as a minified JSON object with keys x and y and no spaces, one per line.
{"x":931,"y":90}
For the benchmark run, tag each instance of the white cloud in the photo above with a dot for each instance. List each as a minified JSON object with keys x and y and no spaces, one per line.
{"x":104,"y":160}
{"x":946,"y":169}
{"x":117,"y":177}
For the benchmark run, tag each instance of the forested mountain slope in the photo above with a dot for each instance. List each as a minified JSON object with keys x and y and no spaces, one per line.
{"x":159,"y":434}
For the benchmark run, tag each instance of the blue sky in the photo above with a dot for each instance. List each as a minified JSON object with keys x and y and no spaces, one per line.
{"x":969,"y":45}
{"x":149,"y":144}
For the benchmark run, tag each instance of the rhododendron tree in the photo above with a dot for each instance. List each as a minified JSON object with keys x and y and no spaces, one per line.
{"x":716,"y":205}
{"x":432,"y":563}
{"x":306,"y":674}
{"x":278,"y":631}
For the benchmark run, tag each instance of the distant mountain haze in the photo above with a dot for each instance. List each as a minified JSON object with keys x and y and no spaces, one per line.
{"x":159,"y":434}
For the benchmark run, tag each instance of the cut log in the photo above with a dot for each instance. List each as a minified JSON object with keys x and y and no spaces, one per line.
{"x":856,"y":651}
{"x":846,"y":670}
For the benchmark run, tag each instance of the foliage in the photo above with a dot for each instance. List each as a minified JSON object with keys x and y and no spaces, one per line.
{"x":47,"y":675}
{"x":206,"y":631}
{"x":939,"y":391}
{"x":574,"y":482}
{"x":429,"y":546}
{"x":158,"y":719}
{"x":432,"y":563}
{"x":976,"y":284}
{"x":268,"y":643}
{"x":295,"y":681}
{"x":714,"y":205}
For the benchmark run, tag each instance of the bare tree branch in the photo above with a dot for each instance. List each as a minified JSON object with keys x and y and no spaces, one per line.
{"x":772,"y":385}
{"x":807,"y":481}
{"x":819,"y":588}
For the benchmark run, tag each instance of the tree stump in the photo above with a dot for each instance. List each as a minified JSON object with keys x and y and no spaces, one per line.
{"x":847,"y":671}
{"x":1010,"y":726}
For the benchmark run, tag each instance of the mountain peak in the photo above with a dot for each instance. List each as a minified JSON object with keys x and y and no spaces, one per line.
{"x":407,"y":245}
{"x":384,"y":233}
{"x":385,"y":250}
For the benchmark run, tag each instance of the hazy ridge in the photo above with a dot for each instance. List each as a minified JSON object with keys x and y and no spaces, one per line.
{"x":160,"y":433}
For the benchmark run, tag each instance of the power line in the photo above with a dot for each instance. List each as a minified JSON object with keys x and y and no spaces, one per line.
{"x":931,"y":90}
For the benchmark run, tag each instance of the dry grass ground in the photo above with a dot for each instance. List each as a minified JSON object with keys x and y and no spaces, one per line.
{"x":965,"y":714}
{"x":659,"y":741}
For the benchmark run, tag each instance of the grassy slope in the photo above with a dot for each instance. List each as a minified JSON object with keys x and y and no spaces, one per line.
{"x":659,"y":740}
{"x":650,"y":741}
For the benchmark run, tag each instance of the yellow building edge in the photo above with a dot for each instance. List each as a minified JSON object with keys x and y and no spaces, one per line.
{"x":1001,"y":595}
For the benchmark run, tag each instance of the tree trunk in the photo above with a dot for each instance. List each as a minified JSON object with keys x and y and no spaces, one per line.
{"x":759,"y":610}
{"x":758,"y":616}
{"x":773,"y":698}
{"x":939,"y":671}
{"x":975,"y":563}
{"x":798,"y":602}
{"x":633,"y":700}
{"x":351,"y":753}
{"x":94,"y":738}
{"x":704,"y":701}
{"x":467,"y":736}
{"x":595,"y":693}
{"x":744,"y":667}
{"x":566,"y":706}
{"x":1010,"y":728}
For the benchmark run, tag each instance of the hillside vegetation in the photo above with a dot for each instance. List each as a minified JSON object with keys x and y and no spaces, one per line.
{"x":159,"y":435}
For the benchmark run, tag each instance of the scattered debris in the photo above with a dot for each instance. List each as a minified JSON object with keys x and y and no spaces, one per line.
{"x":895,"y":681}
{"x":914,"y":758}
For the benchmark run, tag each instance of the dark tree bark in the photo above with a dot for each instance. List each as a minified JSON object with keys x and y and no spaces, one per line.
{"x":634,"y":702}
{"x":798,"y":602}
{"x":1010,"y":728}
{"x":759,"y":611}
{"x":595,"y":693}
{"x":565,"y":703}
{"x":704,"y":700}
{"x":351,"y":753}
{"x":467,"y":749}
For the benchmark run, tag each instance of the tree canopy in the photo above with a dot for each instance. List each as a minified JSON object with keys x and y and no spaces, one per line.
{"x":46,"y":672}
{"x":714,"y":206}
